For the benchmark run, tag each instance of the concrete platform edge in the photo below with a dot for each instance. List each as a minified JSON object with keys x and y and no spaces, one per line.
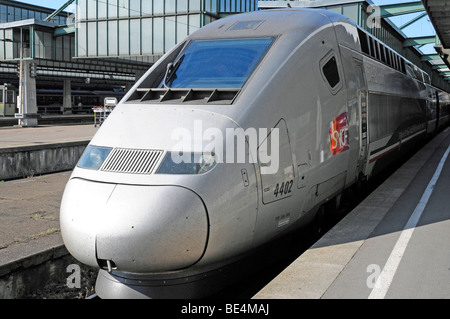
{"x":22,"y":162}
{"x":31,"y":265}
{"x":38,"y":147}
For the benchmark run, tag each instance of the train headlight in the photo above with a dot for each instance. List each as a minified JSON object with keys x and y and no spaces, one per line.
{"x":93,"y":157}
{"x":187,"y":163}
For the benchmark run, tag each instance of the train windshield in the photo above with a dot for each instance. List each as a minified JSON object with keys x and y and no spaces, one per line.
{"x":225,"y":63}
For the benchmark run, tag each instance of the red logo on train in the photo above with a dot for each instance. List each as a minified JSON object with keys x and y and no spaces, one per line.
{"x":339,"y":134}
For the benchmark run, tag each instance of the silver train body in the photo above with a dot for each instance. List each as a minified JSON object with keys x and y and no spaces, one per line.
{"x":337,"y":104}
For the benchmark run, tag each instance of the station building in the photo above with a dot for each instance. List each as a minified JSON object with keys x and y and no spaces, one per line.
{"x":150,"y":28}
{"x":117,"y":28}
{"x":105,"y":47}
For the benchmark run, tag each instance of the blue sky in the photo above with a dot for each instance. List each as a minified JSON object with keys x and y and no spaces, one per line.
{"x":420,"y":28}
{"x":54,"y":4}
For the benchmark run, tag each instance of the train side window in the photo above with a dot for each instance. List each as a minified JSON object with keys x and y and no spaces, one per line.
{"x":402,"y":65}
{"x":330,"y":71}
{"x":363,"y":41}
{"x":388,"y":57}
{"x":377,"y":50}
{"x":383,"y":54}
{"x":372,"y":48}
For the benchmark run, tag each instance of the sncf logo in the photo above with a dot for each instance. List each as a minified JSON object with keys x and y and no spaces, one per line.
{"x":339,"y":134}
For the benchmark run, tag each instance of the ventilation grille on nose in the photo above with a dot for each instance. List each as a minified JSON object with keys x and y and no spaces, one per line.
{"x":132,"y":161}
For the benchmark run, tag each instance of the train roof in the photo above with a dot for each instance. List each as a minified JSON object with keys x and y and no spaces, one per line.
{"x":268,"y":23}
{"x":298,"y":22}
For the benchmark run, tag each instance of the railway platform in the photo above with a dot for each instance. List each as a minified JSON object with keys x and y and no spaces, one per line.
{"x":29,"y":207}
{"x":55,"y":119}
{"x":395,"y":244}
{"x":31,"y":151}
{"x":13,"y":137}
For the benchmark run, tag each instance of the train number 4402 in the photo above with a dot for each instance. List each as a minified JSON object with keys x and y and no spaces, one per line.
{"x":284,"y":188}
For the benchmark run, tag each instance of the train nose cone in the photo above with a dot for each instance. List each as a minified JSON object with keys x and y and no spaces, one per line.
{"x":138,"y":228}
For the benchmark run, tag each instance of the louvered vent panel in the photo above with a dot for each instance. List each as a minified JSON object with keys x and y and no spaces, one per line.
{"x":132,"y":161}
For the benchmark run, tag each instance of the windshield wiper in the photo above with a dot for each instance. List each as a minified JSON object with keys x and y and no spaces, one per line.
{"x":171,"y":70}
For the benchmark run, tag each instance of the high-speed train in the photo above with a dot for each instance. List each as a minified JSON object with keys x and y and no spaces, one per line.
{"x":239,"y":134}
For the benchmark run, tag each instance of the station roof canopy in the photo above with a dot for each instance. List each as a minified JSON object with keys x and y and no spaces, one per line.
{"x":439,"y":14}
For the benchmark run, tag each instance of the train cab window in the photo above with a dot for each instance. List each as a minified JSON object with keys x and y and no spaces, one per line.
{"x":330,"y":72}
{"x":223,"y":63}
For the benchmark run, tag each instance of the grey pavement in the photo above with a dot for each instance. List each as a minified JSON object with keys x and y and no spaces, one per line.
{"x":29,"y":208}
{"x":19,"y":137}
